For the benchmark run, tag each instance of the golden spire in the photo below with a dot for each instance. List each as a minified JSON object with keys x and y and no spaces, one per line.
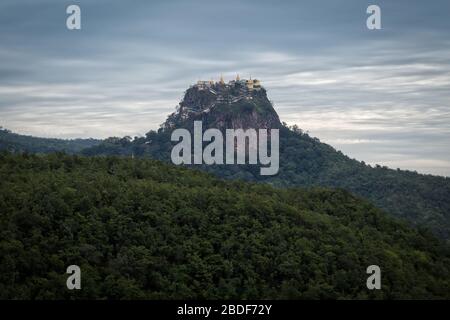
{"x":221,"y":79}
{"x":238,"y":78}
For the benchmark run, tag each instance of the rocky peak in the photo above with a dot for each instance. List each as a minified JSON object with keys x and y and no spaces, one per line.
{"x":233,"y":105}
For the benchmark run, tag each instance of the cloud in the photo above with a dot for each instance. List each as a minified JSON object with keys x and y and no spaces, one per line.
{"x":380,"y":96}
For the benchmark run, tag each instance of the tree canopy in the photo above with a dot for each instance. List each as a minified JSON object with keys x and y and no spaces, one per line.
{"x":143,"y":229}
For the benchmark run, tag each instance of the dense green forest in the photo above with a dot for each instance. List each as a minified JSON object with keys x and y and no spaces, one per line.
{"x":423,"y":200}
{"x":14,"y":142}
{"x":144,"y":229}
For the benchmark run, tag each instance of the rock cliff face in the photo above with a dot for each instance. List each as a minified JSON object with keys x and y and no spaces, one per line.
{"x":225,"y":106}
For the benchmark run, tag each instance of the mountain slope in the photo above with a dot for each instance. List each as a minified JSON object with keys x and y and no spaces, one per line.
{"x":423,"y":200}
{"x":143,"y":229}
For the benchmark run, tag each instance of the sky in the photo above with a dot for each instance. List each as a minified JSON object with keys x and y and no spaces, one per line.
{"x":381,"y":96}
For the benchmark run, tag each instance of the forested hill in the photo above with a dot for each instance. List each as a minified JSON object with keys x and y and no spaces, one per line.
{"x":14,"y":142}
{"x":423,"y":200}
{"x":143,"y":229}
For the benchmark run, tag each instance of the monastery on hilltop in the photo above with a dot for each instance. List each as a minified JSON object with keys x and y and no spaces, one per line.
{"x":220,"y":99}
{"x":249,"y":85}
{"x":204,"y":96}
{"x":229,"y":92}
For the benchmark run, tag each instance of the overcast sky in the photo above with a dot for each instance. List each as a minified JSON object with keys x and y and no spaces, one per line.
{"x":380,"y":96}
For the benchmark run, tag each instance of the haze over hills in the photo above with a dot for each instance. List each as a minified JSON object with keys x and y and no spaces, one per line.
{"x":423,"y":200}
{"x":14,"y":142}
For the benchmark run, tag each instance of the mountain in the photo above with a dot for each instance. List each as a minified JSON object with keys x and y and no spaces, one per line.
{"x":142,"y":229}
{"x":14,"y":142}
{"x":224,"y":106}
{"x":423,"y":200}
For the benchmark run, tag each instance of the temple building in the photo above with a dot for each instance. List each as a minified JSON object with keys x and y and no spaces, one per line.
{"x":250,"y":84}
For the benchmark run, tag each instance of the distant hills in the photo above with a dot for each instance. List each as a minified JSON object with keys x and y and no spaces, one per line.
{"x":142,"y":229}
{"x":423,"y":200}
{"x":14,"y":142}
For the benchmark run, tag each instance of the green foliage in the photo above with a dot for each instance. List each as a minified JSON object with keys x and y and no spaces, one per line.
{"x":423,"y":200}
{"x":141,"y":229}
